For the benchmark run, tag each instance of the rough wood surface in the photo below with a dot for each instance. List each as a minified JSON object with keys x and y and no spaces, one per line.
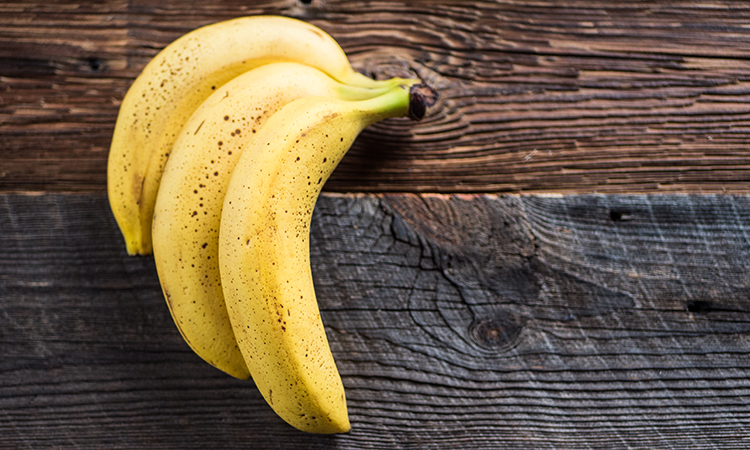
{"x":543,"y":96}
{"x":473,"y":322}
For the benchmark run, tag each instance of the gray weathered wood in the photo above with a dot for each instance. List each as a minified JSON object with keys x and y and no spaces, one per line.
{"x":545,"y":322}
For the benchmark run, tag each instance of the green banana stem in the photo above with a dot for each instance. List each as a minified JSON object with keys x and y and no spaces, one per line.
{"x":394,"y":103}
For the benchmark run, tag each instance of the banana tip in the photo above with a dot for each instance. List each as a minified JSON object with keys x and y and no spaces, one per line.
{"x":422,"y":98}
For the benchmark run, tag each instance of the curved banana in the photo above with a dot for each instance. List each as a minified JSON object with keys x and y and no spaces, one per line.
{"x":264,"y":253}
{"x":191,"y":195}
{"x":175,"y":83}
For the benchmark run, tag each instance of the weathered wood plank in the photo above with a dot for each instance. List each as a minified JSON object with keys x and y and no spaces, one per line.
{"x":538,"y":96}
{"x":550,"y":322}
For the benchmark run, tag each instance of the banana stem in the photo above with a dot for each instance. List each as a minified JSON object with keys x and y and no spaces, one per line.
{"x":403,"y":100}
{"x":422,"y":98}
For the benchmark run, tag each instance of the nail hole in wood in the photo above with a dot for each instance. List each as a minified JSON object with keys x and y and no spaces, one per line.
{"x":619,"y":216}
{"x":699,"y":306}
{"x":94,"y":64}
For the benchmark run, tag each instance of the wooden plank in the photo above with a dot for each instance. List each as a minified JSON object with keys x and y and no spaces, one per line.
{"x":546,"y":322}
{"x":544,"y":96}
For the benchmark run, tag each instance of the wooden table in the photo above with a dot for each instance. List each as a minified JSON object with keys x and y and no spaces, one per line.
{"x":555,"y":258}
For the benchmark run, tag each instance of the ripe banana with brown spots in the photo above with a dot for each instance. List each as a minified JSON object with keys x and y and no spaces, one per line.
{"x":178,"y":80}
{"x":191,"y":194}
{"x":264,"y":255}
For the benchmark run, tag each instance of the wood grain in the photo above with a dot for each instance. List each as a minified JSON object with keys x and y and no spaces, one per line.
{"x":466,"y":321}
{"x":573,"y":96}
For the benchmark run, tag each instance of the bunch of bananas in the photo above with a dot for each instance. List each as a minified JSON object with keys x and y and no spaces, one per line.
{"x":219,"y":153}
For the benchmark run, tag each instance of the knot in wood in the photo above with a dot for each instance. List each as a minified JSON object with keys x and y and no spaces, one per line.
{"x":497,"y":333}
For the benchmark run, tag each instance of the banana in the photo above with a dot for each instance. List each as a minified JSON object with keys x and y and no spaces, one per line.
{"x":178,"y":80}
{"x":264,"y":253}
{"x":190,"y":198}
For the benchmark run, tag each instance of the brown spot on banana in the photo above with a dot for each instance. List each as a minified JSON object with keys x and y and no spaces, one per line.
{"x":199,"y":127}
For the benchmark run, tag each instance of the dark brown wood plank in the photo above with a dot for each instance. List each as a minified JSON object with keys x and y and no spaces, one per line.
{"x":573,"y":96}
{"x":545,"y":322}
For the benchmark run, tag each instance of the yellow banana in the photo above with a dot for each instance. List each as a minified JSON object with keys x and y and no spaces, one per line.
{"x":178,"y":80}
{"x":264,"y":253}
{"x":191,"y":194}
